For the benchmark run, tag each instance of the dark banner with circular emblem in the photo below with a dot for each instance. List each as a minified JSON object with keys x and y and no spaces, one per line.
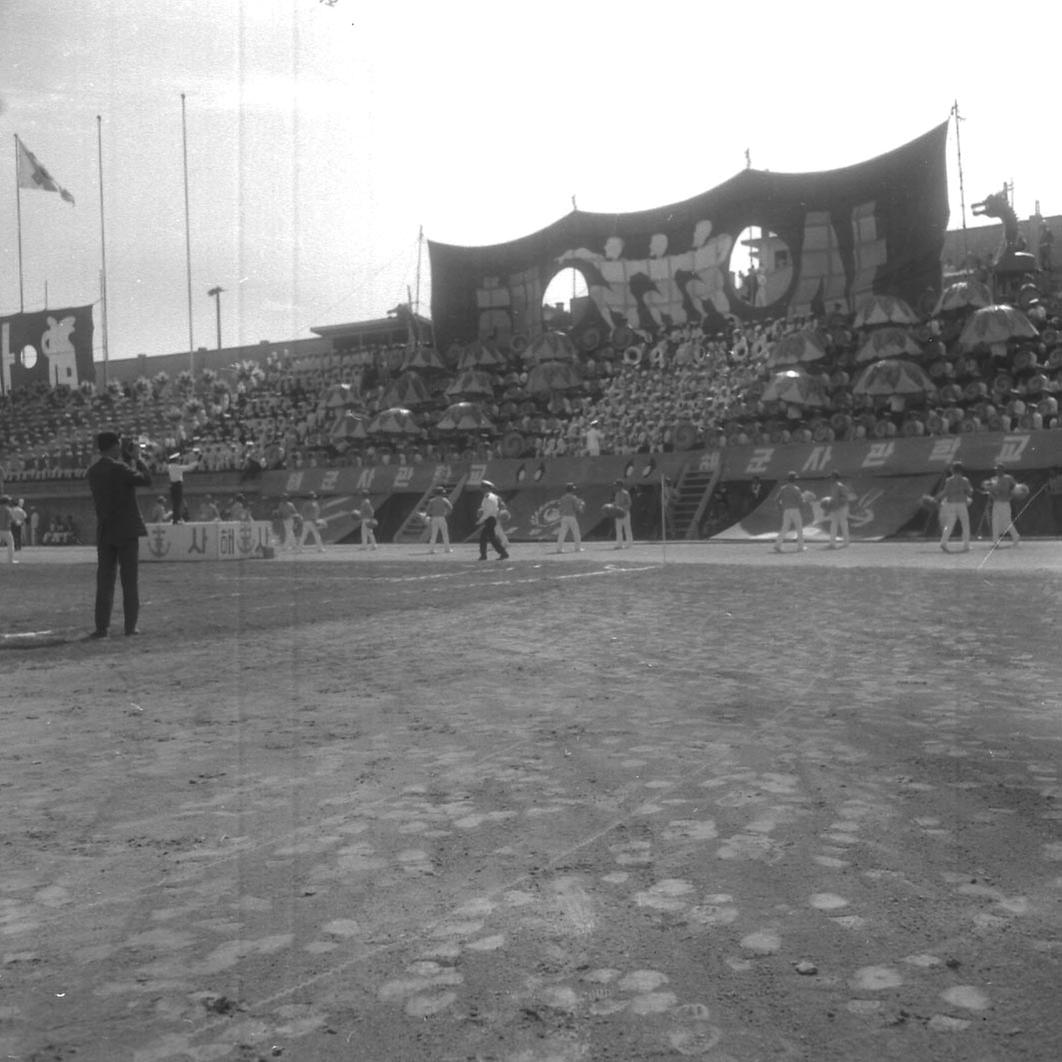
{"x":824,"y":238}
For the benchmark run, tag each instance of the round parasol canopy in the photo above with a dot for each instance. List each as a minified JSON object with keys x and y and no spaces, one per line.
{"x":408,"y":390}
{"x":890,"y":342}
{"x":349,"y":426}
{"x":424,"y":359}
{"x":883,"y":310}
{"x":552,"y":376}
{"x":550,"y":346}
{"x":893,"y":377}
{"x":963,"y":295}
{"x":481,"y":355}
{"x":798,"y":348}
{"x":996,"y":324}
{"x":465,"y":416}
{"x":472,"y":382}
{"x":339,"y":396}
{"x":796,"y":388}
{"x":394,"y":421}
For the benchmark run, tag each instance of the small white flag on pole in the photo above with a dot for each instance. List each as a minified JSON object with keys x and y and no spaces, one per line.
{"x":31,"y":174}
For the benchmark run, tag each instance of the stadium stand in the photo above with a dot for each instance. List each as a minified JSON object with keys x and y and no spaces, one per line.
{"x":881,"y":371}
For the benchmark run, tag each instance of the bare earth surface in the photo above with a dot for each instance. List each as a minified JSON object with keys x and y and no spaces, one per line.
{"x":385,"y":806}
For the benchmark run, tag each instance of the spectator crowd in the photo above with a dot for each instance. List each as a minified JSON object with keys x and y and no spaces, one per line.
{"x":594,"y":391}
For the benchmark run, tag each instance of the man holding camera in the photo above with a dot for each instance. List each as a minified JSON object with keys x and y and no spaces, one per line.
{"x":113,"y":480}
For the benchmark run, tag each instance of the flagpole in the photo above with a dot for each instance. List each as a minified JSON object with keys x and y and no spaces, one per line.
{"x":663,"y":517}
{"x":18,"y":210}
{"x":420,"y":246}
{"x":187,"y":239}
{"x":103,"y":252}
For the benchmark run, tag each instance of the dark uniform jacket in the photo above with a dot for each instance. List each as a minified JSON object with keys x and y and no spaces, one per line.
{"x":113,"y":486}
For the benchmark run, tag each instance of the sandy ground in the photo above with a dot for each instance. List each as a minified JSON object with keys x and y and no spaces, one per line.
{"x":706,"y":802}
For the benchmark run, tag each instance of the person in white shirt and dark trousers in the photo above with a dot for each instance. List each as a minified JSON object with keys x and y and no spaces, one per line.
{"x":175,"y":470}
{"x":489,"y":508}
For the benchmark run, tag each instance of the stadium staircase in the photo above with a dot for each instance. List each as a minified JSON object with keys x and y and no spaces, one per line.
{"x":414,"y":529}
{"x":689,"y":499}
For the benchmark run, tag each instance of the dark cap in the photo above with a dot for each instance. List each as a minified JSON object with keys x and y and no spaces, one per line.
{"x":107,"y":439}
{"x":569,"y":486}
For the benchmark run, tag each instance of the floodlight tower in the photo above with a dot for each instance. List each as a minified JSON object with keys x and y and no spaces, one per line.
{"x":215,"y":294}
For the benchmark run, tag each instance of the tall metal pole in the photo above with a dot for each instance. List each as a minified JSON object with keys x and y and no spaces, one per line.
{"x":187,"y":239}
{"x":420,"y":245}
{"x":18,"y":208}
{"x":663,"y":516}
{"x":103,"y":253}
{"x":962,"y":184}
{"x":215,"y":293}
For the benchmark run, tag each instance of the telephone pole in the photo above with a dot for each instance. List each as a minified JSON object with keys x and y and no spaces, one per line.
{"x":215,"y":294}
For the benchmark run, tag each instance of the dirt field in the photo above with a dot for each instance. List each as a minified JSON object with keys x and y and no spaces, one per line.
{"x":596,"y":808}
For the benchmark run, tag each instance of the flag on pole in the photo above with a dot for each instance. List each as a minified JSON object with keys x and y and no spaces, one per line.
{"x":31,"y":174}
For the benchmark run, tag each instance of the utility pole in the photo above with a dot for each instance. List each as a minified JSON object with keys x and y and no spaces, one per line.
{"x":215,"y":294}
{"x":187,"y":238}
{"x":962,"y":183}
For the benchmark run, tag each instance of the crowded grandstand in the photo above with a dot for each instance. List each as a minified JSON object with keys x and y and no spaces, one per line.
{"x":673,"y":350}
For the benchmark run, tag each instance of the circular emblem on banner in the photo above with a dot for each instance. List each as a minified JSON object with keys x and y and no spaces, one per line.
{"x":512,"y":444}
{"x":685,"y":436}
{"x":590,"y":339}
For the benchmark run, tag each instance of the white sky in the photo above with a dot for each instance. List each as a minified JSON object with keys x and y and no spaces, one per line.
{"x":321,"y":137}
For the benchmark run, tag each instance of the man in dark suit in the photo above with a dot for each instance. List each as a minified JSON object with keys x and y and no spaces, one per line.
{"x":113,"y":480}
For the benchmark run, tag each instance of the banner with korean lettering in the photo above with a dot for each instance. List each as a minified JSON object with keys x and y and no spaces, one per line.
{"x":894,"y":457}
{"x":883,"y":505}
{"x":824,"y":238}
{"x":226,"y":541}
{"x":383,"y":480}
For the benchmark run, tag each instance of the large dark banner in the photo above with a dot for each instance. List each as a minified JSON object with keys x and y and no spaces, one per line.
{"x":883,"y":504}
{"x":49,"y":346}
{"x":829,"y":237}
{"x":534,"y":514}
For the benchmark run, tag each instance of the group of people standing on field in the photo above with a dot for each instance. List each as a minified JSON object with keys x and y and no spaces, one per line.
{"x":792,"y":500}
{"x":956,"y":494}
{"x":571,"y":507}
{"x":952,"y":502}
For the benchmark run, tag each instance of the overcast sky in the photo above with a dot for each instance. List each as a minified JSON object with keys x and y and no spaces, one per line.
{"x":320,"y":137}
